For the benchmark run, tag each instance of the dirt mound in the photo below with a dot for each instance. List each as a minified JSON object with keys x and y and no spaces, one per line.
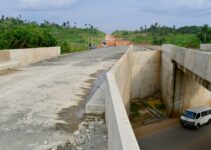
{"x":113,"y":41}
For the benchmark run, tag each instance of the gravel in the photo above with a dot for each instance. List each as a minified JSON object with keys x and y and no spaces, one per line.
{"x":91,"y":135}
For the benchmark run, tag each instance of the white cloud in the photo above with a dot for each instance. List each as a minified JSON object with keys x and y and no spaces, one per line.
{"x":194,"y":8}
{"x":195,"y":3}
{"x":46,"y":4}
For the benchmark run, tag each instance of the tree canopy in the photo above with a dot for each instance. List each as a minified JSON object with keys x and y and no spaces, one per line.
{"x":18,"y":33}
{"x":187,"y":36}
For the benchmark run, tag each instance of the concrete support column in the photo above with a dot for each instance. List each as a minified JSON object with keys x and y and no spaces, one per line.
{"x":173,"y":87}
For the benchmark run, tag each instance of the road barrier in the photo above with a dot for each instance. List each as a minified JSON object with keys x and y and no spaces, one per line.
{"x":118,"y":81}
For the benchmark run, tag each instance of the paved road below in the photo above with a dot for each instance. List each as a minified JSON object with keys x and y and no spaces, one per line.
{"x":178,"y":138}
{"x":42,"y":104}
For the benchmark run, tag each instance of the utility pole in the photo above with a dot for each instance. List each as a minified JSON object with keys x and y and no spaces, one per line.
{"x":88,"y":43}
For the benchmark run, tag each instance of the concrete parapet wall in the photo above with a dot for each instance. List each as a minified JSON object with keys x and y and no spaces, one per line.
{"x":205,"y":47}
{"x":122,"y":73}
{"x":118,"y":89}
{"x":145,"y":73}
{"x":4,"y":55}
{"x":33,"y":55}
{"x":12,"y":59}
{"x":196,"y":61}
{"x":6,"y":65}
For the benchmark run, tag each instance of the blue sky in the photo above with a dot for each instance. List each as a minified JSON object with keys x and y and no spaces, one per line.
{"x":109,"y":15}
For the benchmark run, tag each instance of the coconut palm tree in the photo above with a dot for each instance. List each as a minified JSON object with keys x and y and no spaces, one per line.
{"x":205,"y":30}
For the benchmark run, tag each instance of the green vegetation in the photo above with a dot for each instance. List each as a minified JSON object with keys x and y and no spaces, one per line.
{"x":134,"y":110}
{"x":188,"y":36}
{"x":160,"y":107}
{"x":19,"y":33}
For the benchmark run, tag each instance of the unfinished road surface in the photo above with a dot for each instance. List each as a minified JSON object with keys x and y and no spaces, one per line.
{"x":42,"y":104}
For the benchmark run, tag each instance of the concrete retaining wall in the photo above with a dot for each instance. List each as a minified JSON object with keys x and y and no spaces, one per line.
{"x":118,"y":86}
{"x":145,"y":73}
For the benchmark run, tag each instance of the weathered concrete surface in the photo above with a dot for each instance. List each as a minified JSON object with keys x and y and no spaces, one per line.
{"x":32,"y":55}
{"x":145,"y":73}
{"x":96,"y":104}
{"x":4,"y":55}
{"x":138,"y":74}
{"x":166,"y":76}
{"x":189,"y":93}
{"x":118,"y":86}
{"x":12,"y":59}
{"x":42,"y":104}
{"x":120,"y":133}
{"x":185,"y":83}
{"x":196,"y":61}
{"x":205,"y":47}
{"x":122,"y":73}
{"x":6,"y":65}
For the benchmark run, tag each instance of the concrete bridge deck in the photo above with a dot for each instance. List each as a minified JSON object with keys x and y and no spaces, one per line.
{"x":40,"y":101}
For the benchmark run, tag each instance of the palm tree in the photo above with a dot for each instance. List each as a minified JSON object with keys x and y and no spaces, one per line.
{"x":64,"y":24}
{"x":2,"y":17}
{"x":205,"y":30}
{"x":141,"y":28}
{"x":174,"y":27}
{"x":156,"y":25}
{"x":68,"y":23}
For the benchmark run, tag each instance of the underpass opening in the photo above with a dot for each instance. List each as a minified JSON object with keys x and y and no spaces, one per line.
{"x":188,"y":90}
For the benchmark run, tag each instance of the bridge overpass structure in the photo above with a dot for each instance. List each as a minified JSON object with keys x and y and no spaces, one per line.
{"x":185,"y":78}
{"x":181,"y":75}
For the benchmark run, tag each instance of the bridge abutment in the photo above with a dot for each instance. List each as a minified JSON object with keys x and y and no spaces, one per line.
{"x":185,"y":79}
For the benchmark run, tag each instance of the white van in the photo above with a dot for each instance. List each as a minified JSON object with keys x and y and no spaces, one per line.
{"x":195,"y":117}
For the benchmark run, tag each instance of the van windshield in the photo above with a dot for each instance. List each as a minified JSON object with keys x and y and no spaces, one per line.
{"x":189,"y":114}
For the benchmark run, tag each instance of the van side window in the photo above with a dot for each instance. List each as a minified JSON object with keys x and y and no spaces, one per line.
{"x":198,"y":116}
{"x":204,"y":113}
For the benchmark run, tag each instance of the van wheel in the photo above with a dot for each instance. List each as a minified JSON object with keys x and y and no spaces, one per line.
{"x":198,"y":126}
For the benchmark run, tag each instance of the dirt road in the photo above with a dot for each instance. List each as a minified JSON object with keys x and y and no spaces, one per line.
{"x":114,"y":41}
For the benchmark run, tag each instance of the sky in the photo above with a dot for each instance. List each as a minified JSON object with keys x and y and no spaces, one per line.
{"x":110,"y":15}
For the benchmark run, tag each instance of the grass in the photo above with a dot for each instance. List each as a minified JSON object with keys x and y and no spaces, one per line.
{"x":76,"y":39}
{"x":156,"y":103}
{"x":182,"y":40}
{"x":134,"y":110}
{"x":134,"y":37}
{"x":186,"y":40}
